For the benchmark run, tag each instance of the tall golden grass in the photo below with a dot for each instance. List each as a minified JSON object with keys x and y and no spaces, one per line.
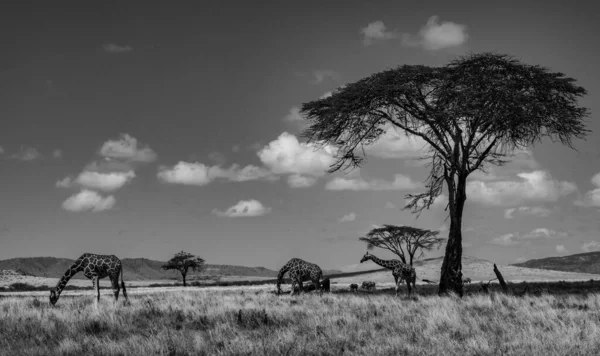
{"x":252,"y":321}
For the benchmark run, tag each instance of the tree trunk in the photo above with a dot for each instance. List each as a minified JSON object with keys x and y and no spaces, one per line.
{"x":183,"y":275}
{"x":500,"y":279}
{"x":451,"y":274}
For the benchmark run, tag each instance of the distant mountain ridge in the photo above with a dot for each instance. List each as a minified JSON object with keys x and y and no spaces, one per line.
{"x":588,"y":262}
{"x":134,"y":269}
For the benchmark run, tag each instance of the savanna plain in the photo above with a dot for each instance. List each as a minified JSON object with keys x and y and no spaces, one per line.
{"x":252,"y":320}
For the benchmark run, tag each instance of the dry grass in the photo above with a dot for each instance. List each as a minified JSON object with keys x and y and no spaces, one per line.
{"x":252,"y":321}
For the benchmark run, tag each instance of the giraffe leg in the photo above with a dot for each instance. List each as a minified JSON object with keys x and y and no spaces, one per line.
{"x":96,"y":284}
{"x":300,"y":287}
{"x":408,"y":286}
{"x":115,"y":287}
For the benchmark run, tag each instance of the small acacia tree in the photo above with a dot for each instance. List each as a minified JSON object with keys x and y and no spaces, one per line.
{"x":403,"y":241}
{"x":183,"y":262}
{"x":473,"y":112}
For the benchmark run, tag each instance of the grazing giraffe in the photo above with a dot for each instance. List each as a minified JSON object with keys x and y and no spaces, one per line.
{"x":401,"y":271}
{"x":299,"y":271}
{"x":94,"y":267}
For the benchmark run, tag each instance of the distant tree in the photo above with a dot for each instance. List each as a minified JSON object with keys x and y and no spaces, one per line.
{"x":183,"y":262}
{"x":471,"y":113}
{"x":404,"y":241}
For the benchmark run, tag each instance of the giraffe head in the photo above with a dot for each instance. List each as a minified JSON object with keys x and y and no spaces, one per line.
{"x":53,"y":297}
{"x":366,"y":257}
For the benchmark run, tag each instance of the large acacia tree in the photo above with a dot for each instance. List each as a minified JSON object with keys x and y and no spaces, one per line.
{"x":404,"y":241}
{"x":183,"y":262}
{"x":473,"y":112}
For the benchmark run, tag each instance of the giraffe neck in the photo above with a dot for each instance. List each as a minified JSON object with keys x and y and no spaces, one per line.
{"x":383,"y":263}
{"x":66,"y":277}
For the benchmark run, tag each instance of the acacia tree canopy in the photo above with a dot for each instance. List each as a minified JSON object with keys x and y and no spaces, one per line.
{"x":473,"y":112}
{"x":404,"y":241}
{"x":183,"y":262}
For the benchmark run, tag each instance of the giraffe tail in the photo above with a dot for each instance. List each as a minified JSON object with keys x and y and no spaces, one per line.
{"x":123,"y":286}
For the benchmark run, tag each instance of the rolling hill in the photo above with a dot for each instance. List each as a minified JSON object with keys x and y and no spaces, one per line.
{"x":135,"y":269}
{"x":588,"y":262}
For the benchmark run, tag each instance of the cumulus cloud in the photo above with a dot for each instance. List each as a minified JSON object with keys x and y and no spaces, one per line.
{"x":300,"y":181}
{"x":296,"y":121}
{"x":244,"y":208}
{"x":505,"y":240}
{"x":115,"y":48}
{"x":286,"y":155}
{"x":27,"y":154}
{"x":104,"y":181}
{"x":544,"y":233}
{"x":57,"y":153}
{"x":126,"y":148}
{"x":590,"y":246}
{"x":107,"y":182}
{"x":348,"y":217}
{"x":400,"y":182}
{"x":534,"y":186}
{"x":376,"y":31}
{"x":561,"y":249}
{"x":436,"y":35}
{"x":514,"y":239}
{"x":200,"y":174}
{"x":66,"y":182}
{"x":88,"y":200}
{"x":527,"y":210}
{"x":395,"y":144}
{"x":592,"y":197}
{"x":320,"y":75}
{"x":217,"y":157}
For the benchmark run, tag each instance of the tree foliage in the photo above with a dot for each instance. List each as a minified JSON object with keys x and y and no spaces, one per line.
{"x":473,"y":112}
{"x":183,"y":262}
{"x":403,"y":241}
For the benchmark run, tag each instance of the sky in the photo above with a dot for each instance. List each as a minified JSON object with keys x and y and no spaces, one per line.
{"x":141,"y":130}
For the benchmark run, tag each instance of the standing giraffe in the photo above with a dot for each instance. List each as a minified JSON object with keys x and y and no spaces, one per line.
{"x":300,"y":270}
{"x":401,"y":271}
{"x":94,"y":267}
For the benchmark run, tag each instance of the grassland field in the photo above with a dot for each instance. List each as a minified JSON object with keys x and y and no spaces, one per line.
{"x":251,"y":320}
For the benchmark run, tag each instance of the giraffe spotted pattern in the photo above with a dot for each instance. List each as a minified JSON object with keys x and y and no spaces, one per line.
{"x":299,"y":271}
{"x":94,"y":267}
{"x":400,"y":270}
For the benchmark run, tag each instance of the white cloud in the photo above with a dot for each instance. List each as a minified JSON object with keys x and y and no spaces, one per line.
{"x":87,"y":200}
{"x":27,"y":154}
{"x":185,"y":173}
{"x":589,"y":246}
{"x":395,"y":144}
{"x":348,"y":217}
{"x":545,"y":233}
{"x":527,"y":210}
{"x":591,"y":198}
{"x":104,"y":181}
{"x":435,"y":35}
{"x":376,"y":31}
{"x":400,"y":182}
{"x":66,"y":182}
{"x":534,"y":186}
{"x":126,"y":147}
{"x":286,"y":155}
{"x":300,"y":181}
{"x":115,"y":48}
{"x":505,"y":240}
{"x":561,"y":249}
{"x":244,"y":208}
{"x":200,"y":174}
{"x":57,"y":153}
{"x":320,"y":75}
